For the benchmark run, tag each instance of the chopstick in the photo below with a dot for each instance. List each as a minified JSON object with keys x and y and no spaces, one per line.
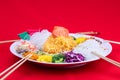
{"x":107,"y":59}
{"x":115,"y":42}
{"x":13,"y":67}
{"x":89,"y":32}
{"x":7,"y":41}
{"x":94,"y":32}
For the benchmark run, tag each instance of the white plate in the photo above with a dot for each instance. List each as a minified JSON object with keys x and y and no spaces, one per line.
{"x":89,"y":58}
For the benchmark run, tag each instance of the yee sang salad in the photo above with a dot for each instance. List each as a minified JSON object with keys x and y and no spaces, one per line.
{"x":57,"y":46}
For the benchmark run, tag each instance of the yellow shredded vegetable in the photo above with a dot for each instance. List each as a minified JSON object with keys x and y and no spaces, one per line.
{"x":45,"y":58}
{"x":80,"y":40}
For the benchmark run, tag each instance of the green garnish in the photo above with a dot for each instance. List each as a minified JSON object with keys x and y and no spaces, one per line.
{"x":24,"y":36}
{"x":58,"y":58}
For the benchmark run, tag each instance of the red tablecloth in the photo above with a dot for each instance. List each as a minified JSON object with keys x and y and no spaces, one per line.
{"x":103,"y":16}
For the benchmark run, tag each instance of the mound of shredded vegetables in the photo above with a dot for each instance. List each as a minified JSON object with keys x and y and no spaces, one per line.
{"x":55,"y":47}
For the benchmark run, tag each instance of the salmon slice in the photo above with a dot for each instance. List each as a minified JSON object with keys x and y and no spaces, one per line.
{"x":60,"y":31}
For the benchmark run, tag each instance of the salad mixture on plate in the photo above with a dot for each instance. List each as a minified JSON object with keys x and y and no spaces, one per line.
{"x":58,"y":46}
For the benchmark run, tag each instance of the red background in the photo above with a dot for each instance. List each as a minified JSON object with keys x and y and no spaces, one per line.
{"x":103,"y":16}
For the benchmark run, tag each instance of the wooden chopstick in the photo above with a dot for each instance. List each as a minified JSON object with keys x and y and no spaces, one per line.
{"x":115,"y":42}
{"x":89,"y":32}
{"x":93,"y":32}
{"x":107,"y":59}
{"x":7,"y":41}
{"x":13,"y":67}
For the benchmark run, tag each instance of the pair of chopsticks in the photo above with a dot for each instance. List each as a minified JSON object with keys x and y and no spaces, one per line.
{"x":107,"y":59}
{"x":13,"y":67}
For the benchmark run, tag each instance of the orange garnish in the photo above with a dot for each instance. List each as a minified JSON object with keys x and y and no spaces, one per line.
{"x":60,"y":32}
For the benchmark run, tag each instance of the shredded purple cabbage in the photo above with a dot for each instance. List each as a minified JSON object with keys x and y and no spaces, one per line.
{"x":73,"y":57}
